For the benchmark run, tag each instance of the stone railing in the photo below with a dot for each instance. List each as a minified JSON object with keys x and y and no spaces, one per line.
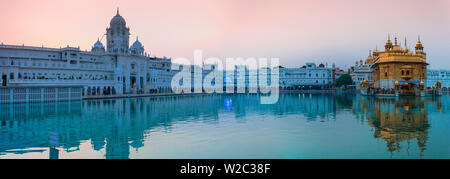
{"x":9,"y":95}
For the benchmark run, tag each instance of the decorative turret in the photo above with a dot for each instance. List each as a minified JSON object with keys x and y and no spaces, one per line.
{"x":419,"y":46}
{"x":117,"y":35}
{"x":370,"y":59}
{"x":375,"y":52}
{"x":98,"y":47}
{"x":388,"y":45}
{"x":137,"y":48}
{"x":438,"y":84}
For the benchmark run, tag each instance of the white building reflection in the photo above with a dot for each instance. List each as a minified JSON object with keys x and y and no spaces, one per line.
{"x":120,"y":125}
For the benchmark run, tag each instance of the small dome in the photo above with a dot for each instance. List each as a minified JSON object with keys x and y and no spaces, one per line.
{"x":388,"y":42}
{"x":99,"y":44}
{"x":419,"y":45}
{"x":137,"y":44}
{"x":370,"y":60}
{"x":137,"y":48}
{"x":117,"y":20}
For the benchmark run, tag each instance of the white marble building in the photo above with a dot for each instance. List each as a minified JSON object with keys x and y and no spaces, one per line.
{"x":116,"y":69}
{"x":362,"y":71}
{"x":308,"y":76}
{"x":442,"y":75}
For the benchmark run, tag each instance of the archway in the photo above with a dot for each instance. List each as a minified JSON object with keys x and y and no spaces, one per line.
{"x":89,"y":91}
{"x":4,"y":79}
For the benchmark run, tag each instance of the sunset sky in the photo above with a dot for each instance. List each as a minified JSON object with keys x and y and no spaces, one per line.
{"x":296,"y":31}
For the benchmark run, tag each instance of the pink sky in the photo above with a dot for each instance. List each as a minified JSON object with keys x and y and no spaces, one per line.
{"x":296,"y":31}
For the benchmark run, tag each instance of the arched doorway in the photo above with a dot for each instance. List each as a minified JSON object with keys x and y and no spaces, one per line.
{"x":407,"y":89}
{"x":4,"y":79}
{"x":113,"y":90}
{"x":89,"y":91}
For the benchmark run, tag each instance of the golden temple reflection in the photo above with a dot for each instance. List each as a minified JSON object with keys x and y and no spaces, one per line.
{"x":398,"y":120}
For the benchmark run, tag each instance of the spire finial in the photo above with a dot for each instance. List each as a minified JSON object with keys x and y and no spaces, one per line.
{"x":117,"y":10}
{"x":389,"y":36}
{"x":137,"y":38}
{"x":405,"y":43}
{"x":419,"y":38}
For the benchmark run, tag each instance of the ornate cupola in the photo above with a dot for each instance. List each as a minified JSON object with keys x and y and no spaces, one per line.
{"x":98,"y":47}
{"x":419,"y":46}
{"x":117,"y":35}
{"x":388,"y":45}
{"x":137,"y":48}
{"x":370,"y":59}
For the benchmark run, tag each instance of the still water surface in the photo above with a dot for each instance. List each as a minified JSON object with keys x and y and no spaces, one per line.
{"x":229,"y":126}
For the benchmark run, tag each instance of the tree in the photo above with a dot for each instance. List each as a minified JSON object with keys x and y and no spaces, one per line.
{"x":344,"y":80}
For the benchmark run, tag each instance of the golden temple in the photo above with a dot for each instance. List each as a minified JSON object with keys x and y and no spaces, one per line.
{"x":398,"y":70}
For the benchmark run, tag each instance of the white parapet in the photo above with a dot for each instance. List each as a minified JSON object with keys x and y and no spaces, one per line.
{"x":22,"y":94}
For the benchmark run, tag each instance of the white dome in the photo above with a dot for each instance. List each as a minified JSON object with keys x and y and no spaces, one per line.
{"x":98,"y":46}
{"x":137,"y":48}
{"x":117,"y":20}
{"x":137,"y":44}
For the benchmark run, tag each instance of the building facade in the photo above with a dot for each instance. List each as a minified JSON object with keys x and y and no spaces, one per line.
{"x":433,"y":76}
{"x":363,"y":70}
{"x":309,"y":76}
{"x":399,"y":66}
{"x":116,"y":69}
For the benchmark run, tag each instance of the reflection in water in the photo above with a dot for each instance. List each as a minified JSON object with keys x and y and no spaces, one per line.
{"x":399,"y":120}
{"x":116,"y":126}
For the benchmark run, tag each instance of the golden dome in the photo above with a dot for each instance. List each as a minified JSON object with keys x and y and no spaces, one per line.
{"x":388,"y":43}
{"x":438,"y":82}
{"x":419,"y":45}
{"x":397,"y":83}
{"x":370,"y":59}
{"x":421,"y":83}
